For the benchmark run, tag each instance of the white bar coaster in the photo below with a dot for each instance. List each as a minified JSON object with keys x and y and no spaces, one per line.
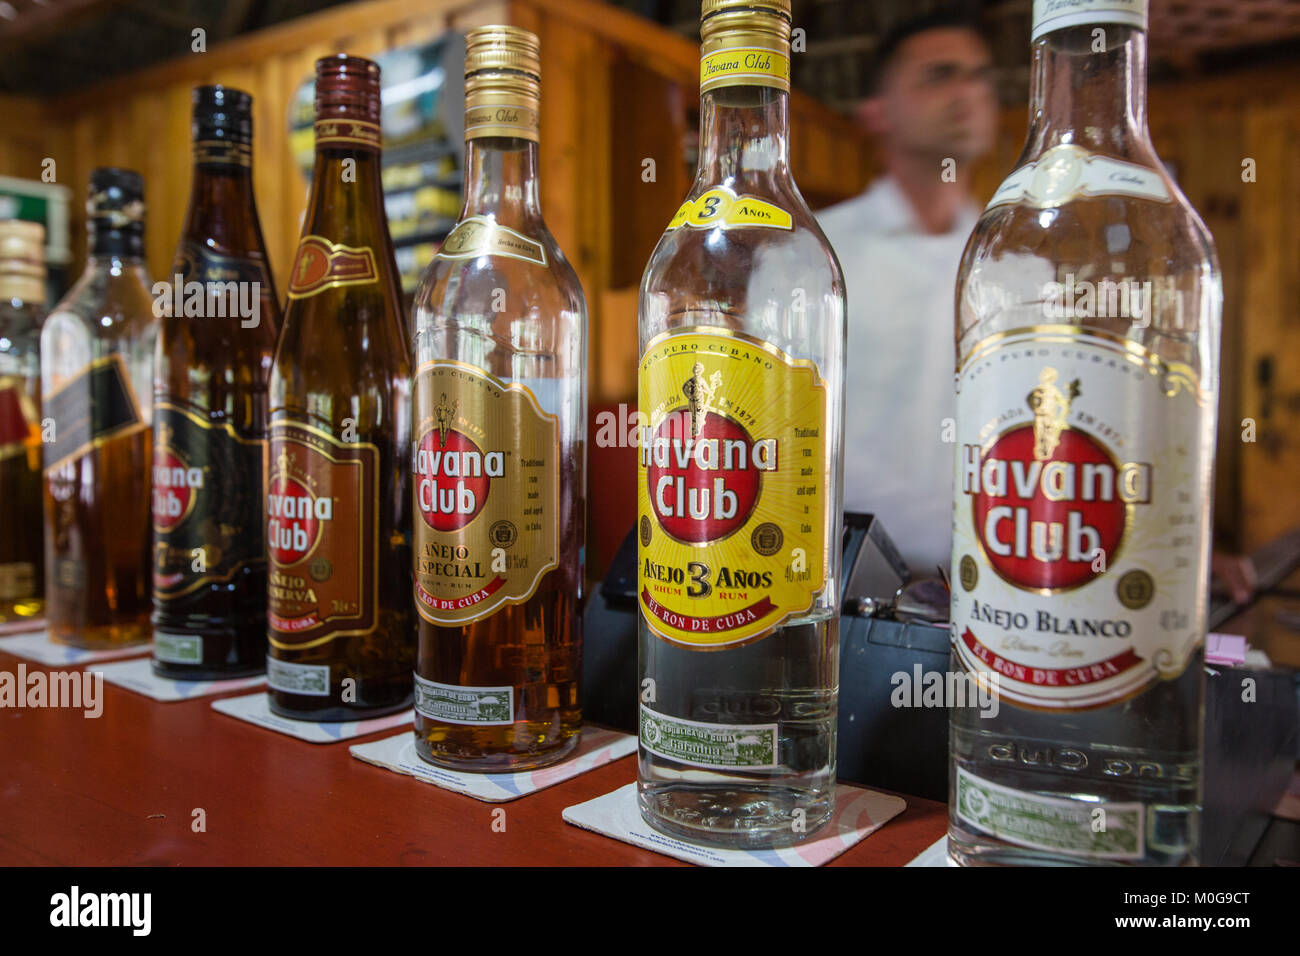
{"x":598,"y":747}
{"x":936,"y":854}
{"x":138,"y":676}
{"x":22,"y":627}
{"x":256,"y":709}
{"x":35,"y":646}
{"x":858,"y":813}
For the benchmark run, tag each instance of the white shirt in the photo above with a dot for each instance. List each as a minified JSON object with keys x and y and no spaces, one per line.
{"x":900,"y":284}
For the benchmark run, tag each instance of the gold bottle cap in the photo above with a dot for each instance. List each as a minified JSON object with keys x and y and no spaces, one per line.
{"x":745,"y":43}
{"x":503,"y":70}
{"x":22,"y":260}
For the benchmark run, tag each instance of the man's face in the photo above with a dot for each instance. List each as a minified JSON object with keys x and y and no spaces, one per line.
{"x":937,"y":98}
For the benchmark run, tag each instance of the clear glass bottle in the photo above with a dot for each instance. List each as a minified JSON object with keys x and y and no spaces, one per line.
{"x":97,"y":353}
{"x":22,"y":307}
{"x":498,"y":463}
{"x":742,"y":338}
{"x":1087,"y":331}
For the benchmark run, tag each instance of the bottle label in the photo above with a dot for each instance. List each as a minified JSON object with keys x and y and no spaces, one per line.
{"x":732,"y":484}
{"x":322,"y":521}
{"x":321,"y":264}
{"x":740,"y":65}
{"x":721,"y":206}
{"x":177,"y":648}
{"x":348,"y":133}
{"x":95,"y":405}
{"x":1052,"y":15}
{"x":1078,"y":518}
{"x":19,"y":422}
{"x":716,"y":746}
{"x":198,"y":263}
{"x":1066,"y":173}
{"x":486,"y":487}
{"x":207,"y":490}
{"x":501,"y":113}
{"x":17,"y":581}
{"x":312,"y":680}
{"x":476,"y":236}
{"x":483,"y":706}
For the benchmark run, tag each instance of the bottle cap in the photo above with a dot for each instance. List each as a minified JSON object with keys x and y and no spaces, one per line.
{"x":223,"y":126}
{"x":116,"y":198}
{"x":502,"y":83}
{"x":347,"y":102}
{"x":744,"y":43}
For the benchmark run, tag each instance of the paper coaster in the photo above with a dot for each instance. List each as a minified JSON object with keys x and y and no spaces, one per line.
{"x":255,"y":709}
{"x":138,"y":676}
{"x":35,"y":646}
{"x":936,"y":854}
{"x":858,"y":813}
{"x":397,"y":753}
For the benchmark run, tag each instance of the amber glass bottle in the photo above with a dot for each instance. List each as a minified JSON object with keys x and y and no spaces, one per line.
{"x":500,"y":407}
{"x":22,"y":307}
{"x":97,"y":352}
{"x":215,"y":346}
{"x":338,"y":494}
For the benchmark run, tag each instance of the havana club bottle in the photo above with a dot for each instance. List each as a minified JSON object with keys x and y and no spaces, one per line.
{"x":1087,"y":335}
{"x":97,"y":354}
{"x":338,"y":492}
{"x":215,"y":345}
{"x":22,"y":307}
{"x":742,"y":338}
{"x":497,"y":466}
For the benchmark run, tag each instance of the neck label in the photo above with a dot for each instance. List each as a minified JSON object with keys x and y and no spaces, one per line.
{"x":501,"y":113}
{"x":1066,"y":173}
{"x":745,"y":66}
{"x":1052,"y":15}
{"x":321,"y":264}
{"x":478,"y":236}
{"x":348,"y":133}
{"x":722,"y":207}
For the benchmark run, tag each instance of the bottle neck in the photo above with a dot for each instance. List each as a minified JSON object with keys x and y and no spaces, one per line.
{"x":1088,"y":97}
{"x":347,"y":198}
{"x":745,"y":138}
{"x":116,"y":244}
{"x":218,"y":193}
{"x":501,"y":179}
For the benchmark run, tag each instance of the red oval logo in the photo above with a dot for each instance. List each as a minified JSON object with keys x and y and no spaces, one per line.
{"x":175,"y":489}
{"x":294,"y":517}
{"x":452,"y":479}
{"x":1045,"y":523}
{"x":704,"y":487}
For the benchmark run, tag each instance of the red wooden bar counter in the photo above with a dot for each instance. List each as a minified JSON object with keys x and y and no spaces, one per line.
{"x":121,"y":789}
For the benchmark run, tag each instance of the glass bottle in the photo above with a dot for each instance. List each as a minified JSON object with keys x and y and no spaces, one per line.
{"x":97,"y":352}
{"x":215,"y":346}
{"x":22,"y":307}
{"x":1087,"y":332}
{"x":338,"y":494}
{"x":498,"y":463}
{"x":742,"y":337}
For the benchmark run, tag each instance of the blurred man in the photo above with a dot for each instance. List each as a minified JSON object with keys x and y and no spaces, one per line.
{"x":934,"y":112}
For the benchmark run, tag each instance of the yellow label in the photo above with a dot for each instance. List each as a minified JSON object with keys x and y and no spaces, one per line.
{"x":479,"y":236}
{"x":732,"y":482}
{"x":721,"y":206}
{"x":486,"y":485}
{"x":744,"y":66}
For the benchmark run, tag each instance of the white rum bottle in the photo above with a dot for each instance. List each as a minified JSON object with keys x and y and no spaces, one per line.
{"x":498,"y":473}
{"x":1087,"y":363}
{"x":740,"y":391}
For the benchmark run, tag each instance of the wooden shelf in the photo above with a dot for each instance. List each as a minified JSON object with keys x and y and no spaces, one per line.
{"x":122,"y":790}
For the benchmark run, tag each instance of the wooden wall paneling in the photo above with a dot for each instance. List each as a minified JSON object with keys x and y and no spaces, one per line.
{"x":270,"y":154}
{"x":1270,"y":465}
